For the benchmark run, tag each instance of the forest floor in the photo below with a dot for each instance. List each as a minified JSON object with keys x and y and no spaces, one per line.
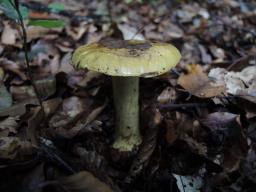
{"x":198,"y":121}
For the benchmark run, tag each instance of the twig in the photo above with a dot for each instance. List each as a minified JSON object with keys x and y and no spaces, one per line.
{"x":25,"y":48}
{"x":182,"y":105}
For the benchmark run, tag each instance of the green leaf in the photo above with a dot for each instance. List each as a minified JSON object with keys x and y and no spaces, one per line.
{"x":10,"y":11}
{"x":52,"y":23}
{"x":56,"y":7}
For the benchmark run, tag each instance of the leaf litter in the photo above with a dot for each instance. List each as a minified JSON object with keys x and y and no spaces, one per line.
{"x":198,"y":121}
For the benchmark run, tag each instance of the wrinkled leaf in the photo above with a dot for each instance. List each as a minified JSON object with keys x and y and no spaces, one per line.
{"x":197,"y":83}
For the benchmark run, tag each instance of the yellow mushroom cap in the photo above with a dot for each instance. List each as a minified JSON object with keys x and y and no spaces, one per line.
{"x":127,"y":57}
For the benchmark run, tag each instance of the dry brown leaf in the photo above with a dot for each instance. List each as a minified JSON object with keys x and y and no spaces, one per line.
{"x":9,"y":65}
{"x":197,"y":83}
{"x":20,"y":92}
{"x":33,"y":125}
{"x":9,"y":124}
{"x":9,"y":147}
{"x":90,"y":75}
{"x":171,"y":133}
{"x":65,"y":64}
{"x":5,"y":97}
{"x":242,"y":84}
{"x":167,"y":95}
{"x":35,"y":32}
{"x":84,"y":182}
{"x":9,"y":35}
{"x":50,"y":106}
{"x":77,"y":32}
{"x":19,"y":108}
{"x":83,"y":124}
{"x":72,"y":109}
{"x":227,"y":127}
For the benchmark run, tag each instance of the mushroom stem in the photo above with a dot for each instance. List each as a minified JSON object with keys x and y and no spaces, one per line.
{"x":126,"y":101}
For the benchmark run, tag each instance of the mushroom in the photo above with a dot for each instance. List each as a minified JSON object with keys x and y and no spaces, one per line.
{"x":126,"y":61}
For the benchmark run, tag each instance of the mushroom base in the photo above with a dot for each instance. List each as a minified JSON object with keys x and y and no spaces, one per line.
{"x":126,"y":101}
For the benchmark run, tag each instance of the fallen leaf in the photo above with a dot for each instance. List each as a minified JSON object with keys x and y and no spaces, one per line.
{"x":241,"y":84}
{"x":84,"y":182}
{"x":167,"y":95}
{"x":206,"y":57}
{"x":130,"y":32}
{"x":50,"y":106}
{"x":171,"y":133}
{"x":9,"y":147}
{"x":5,"y":97}
{"x":34,"y":123}
{"x":197,"y":83}
{"x":10,"y":124}
{"x":9,"y":35}
{"x":46,"y":87}
{"x":227,"y":132}
{"x":12,"y":66}
{"x":248,"y":165}
{"x":72,"y":108}
{"x":19,"y":108}
{"x":82,"y":125}
{"x":35,"y":32}
{"x":90,"y":75}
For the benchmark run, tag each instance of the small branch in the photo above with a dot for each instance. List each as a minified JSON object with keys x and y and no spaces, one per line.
{"x":25,"y":48}
{"x":182,"y":105}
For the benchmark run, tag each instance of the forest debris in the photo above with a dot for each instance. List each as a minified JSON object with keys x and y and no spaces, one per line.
{"x":167,"y":95}
{"x":248,"y":165}
{"x":242,"y":84}
{"x":171,"y":133}
{"x":19,"y":108}
{"x":34,"y":32}
{"x":197,"y":83}
{"x":11,"y":66}
{"x":10,"y":124}
{"x":9,"y":147}
{"x":90,"y":75}
{"x":51,"y":105}
{"x":84,"y":181}
{"x":5,"y":97}
{"x":83,"y":124}
{"x":9,"y":35}
{"x":46,"y":87}
{"x":130,"y":32}
{"x":226,"y":128}
{"x":34,"y":123}
{"x":71,"y":108}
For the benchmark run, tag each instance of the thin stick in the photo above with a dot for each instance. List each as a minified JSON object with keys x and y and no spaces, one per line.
{"x":182,"y":105}
{"x":25,"y":48}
